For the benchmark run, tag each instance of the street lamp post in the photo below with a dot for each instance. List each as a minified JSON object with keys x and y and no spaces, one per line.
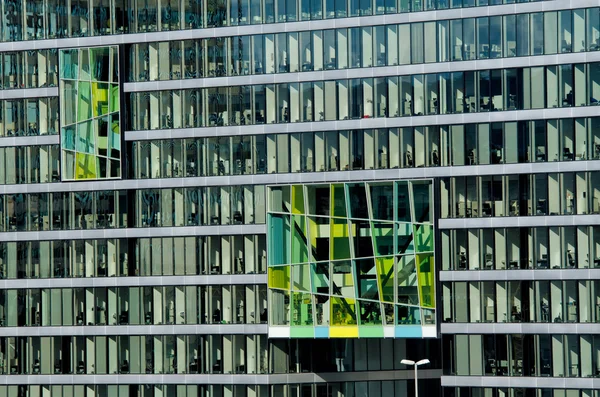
{"x":416,"y":365}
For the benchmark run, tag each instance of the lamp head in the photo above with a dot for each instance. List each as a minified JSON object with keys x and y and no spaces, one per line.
{"x":407,"y":362}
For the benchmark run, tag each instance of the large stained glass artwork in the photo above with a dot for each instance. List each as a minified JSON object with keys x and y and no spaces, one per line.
{"x":350,"y":260}
{"x":89,"y":113}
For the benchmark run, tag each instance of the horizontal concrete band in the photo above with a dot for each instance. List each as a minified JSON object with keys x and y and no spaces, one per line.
{"x":218,"y":379}
{"x":307,"y":177}
{"x":519,"y":221}
{"x":183,"y":231}
{"x":518,"y":275}
{"x":457,"y":13}
{"x":144,"y":281}
{"x":368,"y":123}
{"x":29,"y":140}
{"x":520,"y":328}
{"x":110,"y":330}
{"x":21,"y":93}
{"x":366,"y":72}
{"x":520,"y":382}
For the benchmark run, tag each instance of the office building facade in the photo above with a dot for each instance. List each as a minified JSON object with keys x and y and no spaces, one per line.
{"x":252,"y":198}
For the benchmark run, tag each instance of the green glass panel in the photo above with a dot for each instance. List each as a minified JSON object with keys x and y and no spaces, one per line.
{"x":318,"y":229}
{"x":301,"y":277}
{"x":67,"y":137}
{"x":370,"y":312}
{"x":298,"y":199}
{"x":340,"y":241}
{"x":102,"y":132}
{"x":404,"y":238}
{"x":383,"y":236}
{"x":338,"y":201}
{"x":426,"y":276}
{"x":361,"y":238}
{"x":320,"y":278}
{"x":299,"y":240}
{"x":343,"y":311}
{"x":69,"y":64}
{"x":279,"y":307}
{"x":115,"y":168}
{"x":279,"y":277}
{"x":408,"y":315}
{"x":385,"y":274}
{"x":389,"y":313}
{"x":302,"y":309}
{"x":357,"y":197}
{"x":84,"y":101}
{"x":343,"y":280}
{"x":428,"y":316}
{"x":322,"y":306}
{"x":403,"y":211}
{"x":84,"y":65}
{"x":366,"y":273}
{"x":318,"y":199}
{"x":114,"y":55}
{"x":69,"y":164}
{"x":407,"y":280}
{"x":382,"y":201}
{"x":100,"y":63}
{"x":370,"y":332}
{"x":68,"y":102}
{"x":100,"y":98}
{"x":114,"y":98}
{"x":279,"y":239}
{"x":86,"y":138}
{"x":421,"y":197}
{"x":424,"y":237}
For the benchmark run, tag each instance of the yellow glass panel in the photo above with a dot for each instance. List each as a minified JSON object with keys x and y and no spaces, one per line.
{"x":426,"y":276}
{"x":100,"y":98}
{"x":343,"y":311}
{"x":343,"y":332}
{"x":86,"y":166}
{"x":297,"y":199}
{"x":279,"y":277}
{"x":385,"y":278}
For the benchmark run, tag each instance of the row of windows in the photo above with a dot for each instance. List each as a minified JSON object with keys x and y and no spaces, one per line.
{"x":430,"y":94}
{"x":520,"y":195}
{"x":441,"y":41}
{"x":430,"y":146}
{"x":29,"y":164}
{"x":204,"y":354}
{"x":27,"y":20}
{"x":517,"y":392}
{"x":231,"y":304}
{"x":523,"y":355}
{"x":521,"y":248}
{"x":131,"y":354}
{"x":337,"y":389}
{"x":159,"y":256}
{"x":29,"y":69}
{"x":521,"y":301}
{"x":463,"y":144}
{"x":27,"y":117}
{"x":224,"y":205}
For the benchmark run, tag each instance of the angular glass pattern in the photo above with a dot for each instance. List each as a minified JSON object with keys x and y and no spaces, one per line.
{"x":352,"y":260}
{"x":90,"y":113}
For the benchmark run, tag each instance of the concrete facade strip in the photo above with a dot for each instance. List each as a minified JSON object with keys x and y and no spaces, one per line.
{"x":115,"y":330}
{"x":115,"y":282}
{"x":29,"y":141}
{"x":520,"y":328}
{"x":368,"y":72}
{"x":22,"y":93}
{"x":369,"y":123}
{"x":371,"y":20}
{"x":183,"y":231}
{"x":238,"y":379}
{"x":519,"y":221}
{"x":518,"y":275}
{"x":307,"y":177}
{"x":520,"y":382}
